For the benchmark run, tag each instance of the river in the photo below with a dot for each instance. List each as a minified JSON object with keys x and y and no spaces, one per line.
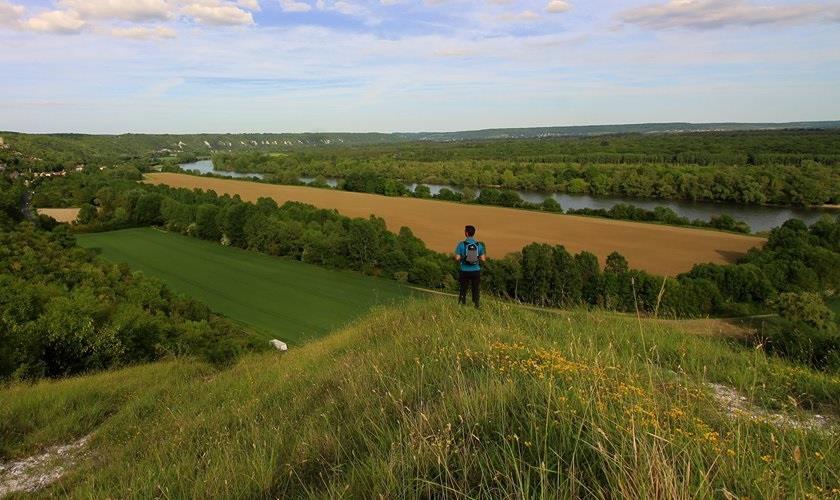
{"x":759,"y":218}
{"x":206,"y":167}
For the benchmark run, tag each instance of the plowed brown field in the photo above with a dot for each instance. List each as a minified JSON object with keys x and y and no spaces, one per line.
{"x":60,"y":214}
{"x":654,"y":248}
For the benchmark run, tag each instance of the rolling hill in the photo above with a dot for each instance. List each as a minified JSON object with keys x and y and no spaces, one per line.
{"x":132,"y":144}
{"x":431,"y":400}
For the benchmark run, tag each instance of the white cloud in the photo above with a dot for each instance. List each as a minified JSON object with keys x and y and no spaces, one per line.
{"x":126,"y":10}
{"x":143,"y":32}
{"x":249,"y":4}
{"x":558,"y":6}
{"x":343,"y":7}
{"x":56,"y":21}
{"x":524,"y":16}
{"x":10,"y":13}
{"x":711,"y":14}
{"x":217,"y":13}
{"x":74,"y":16}
{"x":295,"y":6}
{"x":348,"y":8}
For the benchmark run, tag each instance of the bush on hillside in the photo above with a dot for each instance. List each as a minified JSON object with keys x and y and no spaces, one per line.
{"x":809,"y":308}
{"x":63,"y":311}
{"x":804,"y":343}
{"x":805,"y":331}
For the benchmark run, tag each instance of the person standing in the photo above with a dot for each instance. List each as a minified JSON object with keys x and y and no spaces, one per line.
{"x":469,"y":254}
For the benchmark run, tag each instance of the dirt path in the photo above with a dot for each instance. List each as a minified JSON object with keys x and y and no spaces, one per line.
{"x":26,"y":205}
{"x":655,"y":248}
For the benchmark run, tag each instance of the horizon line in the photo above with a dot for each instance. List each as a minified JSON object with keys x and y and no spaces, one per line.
{"x":489,"y":129}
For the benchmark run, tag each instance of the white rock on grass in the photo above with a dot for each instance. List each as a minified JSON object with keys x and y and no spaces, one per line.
{"x":280,"y":346}
{"x":737,"y":405}
{"x":38,"y":471}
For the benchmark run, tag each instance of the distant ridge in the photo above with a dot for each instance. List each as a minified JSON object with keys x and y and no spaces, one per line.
{"x":212,"y":142}
{"x":593,"y":130}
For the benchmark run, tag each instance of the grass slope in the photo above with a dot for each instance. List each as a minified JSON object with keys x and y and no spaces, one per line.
{"x":275,"y":297}
{"x":434,"y":400}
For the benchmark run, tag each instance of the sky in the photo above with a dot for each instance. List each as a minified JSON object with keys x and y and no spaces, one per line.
{"x":190,"y":66}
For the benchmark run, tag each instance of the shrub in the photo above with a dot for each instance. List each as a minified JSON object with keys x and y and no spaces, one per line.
{"x":809,"y":308}
{"x":422,"y":191}
{"x":551,"y":205}
{"x":63,"y":312}
{"x":427,"y":272}
{"x":87,"y":214}
{"x":799,"y":341}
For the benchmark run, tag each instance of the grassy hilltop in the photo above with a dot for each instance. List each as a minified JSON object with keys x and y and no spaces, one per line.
{"x":430,"y":399}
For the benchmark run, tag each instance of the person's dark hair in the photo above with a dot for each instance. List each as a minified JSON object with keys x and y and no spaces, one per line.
{"x":470,"y":230}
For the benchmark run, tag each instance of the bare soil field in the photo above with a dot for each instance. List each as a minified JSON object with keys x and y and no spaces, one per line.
{"x":61,"y":214}
{"x":655,"y":248}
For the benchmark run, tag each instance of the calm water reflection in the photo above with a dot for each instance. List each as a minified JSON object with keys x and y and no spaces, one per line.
{"x":206,"y":167}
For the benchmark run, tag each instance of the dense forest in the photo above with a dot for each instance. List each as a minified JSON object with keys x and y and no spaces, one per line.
{"x":55,"y":151}
{"x":798,"y":267}
{"x":794,"y":167}
{"x":65,"y":311}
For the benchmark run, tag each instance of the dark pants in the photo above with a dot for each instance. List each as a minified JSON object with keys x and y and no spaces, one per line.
{"x":469,"y":279}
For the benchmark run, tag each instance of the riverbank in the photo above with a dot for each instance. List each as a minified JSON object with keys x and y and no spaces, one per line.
{"x":628,"y":212}
{"x":658,"y":249}
{"x":760,"y":218}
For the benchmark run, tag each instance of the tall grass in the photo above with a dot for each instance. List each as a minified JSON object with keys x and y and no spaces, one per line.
{"x":434,"y":400}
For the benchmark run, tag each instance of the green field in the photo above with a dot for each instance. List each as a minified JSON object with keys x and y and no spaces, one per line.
{"x":275,"y":297}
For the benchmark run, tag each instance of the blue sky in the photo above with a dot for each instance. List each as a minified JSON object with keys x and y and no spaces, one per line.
{"x":113,"y":66}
